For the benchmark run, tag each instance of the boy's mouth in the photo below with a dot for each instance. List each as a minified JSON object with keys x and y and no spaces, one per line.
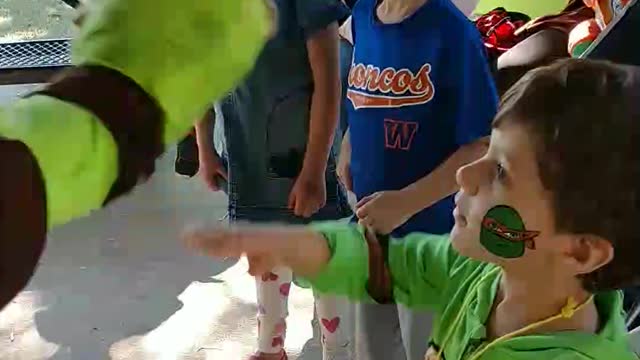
{"x":460,"y":219}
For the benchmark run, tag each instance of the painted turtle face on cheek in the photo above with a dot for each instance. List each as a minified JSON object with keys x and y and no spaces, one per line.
{"x":503,"y":233}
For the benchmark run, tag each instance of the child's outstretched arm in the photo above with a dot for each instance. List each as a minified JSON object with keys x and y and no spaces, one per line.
{"x":342,"y":259}
{"x":305,"y":251}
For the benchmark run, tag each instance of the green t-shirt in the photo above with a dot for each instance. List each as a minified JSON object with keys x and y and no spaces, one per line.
{"x":428,"y":274}
{"x":533,"y":8}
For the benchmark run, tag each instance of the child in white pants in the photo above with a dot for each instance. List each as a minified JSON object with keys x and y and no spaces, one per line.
{"x":278,"y":164}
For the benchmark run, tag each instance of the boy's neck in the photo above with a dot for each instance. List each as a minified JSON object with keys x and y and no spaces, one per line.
{"x":522,"y":301}
{"x":395,"y":11}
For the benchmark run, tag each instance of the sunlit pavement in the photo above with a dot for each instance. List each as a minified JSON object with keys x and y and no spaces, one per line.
{"x":119,"y":285}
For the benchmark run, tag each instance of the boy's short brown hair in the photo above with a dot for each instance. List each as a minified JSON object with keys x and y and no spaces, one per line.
{"x":585,"y":119}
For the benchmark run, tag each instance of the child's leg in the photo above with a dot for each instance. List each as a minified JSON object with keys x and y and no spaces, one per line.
{"x":378,"y":334}
{"x":332,"y":325}
{"x":415,"y":327}
{"x":273,"y":295}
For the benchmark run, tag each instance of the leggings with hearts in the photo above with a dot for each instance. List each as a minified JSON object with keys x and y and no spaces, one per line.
{"x":273,"y":293}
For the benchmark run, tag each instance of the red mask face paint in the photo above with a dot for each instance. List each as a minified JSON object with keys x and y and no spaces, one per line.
{"x":503,"y":233}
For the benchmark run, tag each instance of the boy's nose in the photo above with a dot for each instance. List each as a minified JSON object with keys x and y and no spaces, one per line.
{"x":470,"y":176}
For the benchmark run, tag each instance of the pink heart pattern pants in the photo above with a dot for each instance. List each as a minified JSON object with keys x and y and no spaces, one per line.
{"x":273,"y":294}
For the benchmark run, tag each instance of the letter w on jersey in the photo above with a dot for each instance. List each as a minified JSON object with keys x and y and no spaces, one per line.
{"x":399,"y":134}
{"x":371,"y":88}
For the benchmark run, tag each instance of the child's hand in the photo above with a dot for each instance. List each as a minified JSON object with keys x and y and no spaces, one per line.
{"x":211,"y":170}
{"x":309,"y":193}
{"x":261,"y":248}
{"x":304,"y":251}
{"x":383,"y":211}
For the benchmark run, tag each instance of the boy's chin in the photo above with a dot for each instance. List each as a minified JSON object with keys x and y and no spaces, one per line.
{"x":466,"y":243}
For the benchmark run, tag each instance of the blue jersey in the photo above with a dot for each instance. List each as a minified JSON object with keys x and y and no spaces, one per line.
{"x":418,"y":90}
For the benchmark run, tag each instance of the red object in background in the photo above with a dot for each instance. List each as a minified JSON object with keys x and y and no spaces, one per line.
{"x":498,"y":30}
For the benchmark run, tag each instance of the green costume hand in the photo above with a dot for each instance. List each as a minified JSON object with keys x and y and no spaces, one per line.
{"x":184,"y":56}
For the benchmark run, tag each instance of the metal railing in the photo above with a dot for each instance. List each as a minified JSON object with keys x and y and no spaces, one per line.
{"x":33,"y":61}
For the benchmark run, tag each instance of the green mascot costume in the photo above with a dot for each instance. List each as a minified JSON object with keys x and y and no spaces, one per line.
{"x":144,"y":71}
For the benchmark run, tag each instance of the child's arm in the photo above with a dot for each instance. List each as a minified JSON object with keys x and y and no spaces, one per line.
{"x":204,"y":133}
{"x":441,"y":182}
{"x":385,"y":211}
{"x":318,"y":21}
{"x":473,"y":108}
{"x":303,"y":250}
{"x":211,"y":168}
{"x":325,"y":103}
{"x":338,"y":258}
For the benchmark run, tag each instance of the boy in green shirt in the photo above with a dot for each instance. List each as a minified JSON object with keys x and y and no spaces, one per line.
{"x":544,"y":233}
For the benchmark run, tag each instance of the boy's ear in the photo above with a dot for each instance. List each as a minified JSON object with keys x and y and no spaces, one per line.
{"x":588,"y":253}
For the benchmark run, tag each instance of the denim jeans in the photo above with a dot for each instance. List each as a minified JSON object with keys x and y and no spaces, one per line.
{"x":262,"y":172}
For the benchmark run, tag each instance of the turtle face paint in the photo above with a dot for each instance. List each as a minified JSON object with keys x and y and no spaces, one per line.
{"x":503,"y":233}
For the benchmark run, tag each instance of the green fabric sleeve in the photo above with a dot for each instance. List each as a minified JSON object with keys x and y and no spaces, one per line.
{"x":185,"y":54}
{"x":76,"y":154}
{"x":420,"y":265}
{"x":348,"y":270}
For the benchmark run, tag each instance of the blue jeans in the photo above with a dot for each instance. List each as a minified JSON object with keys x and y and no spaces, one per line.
{"x":336,"y":208}
{"x":264,"y":155}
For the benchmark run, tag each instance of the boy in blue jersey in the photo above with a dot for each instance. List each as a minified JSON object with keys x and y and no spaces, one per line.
{"x":421,"y":102}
